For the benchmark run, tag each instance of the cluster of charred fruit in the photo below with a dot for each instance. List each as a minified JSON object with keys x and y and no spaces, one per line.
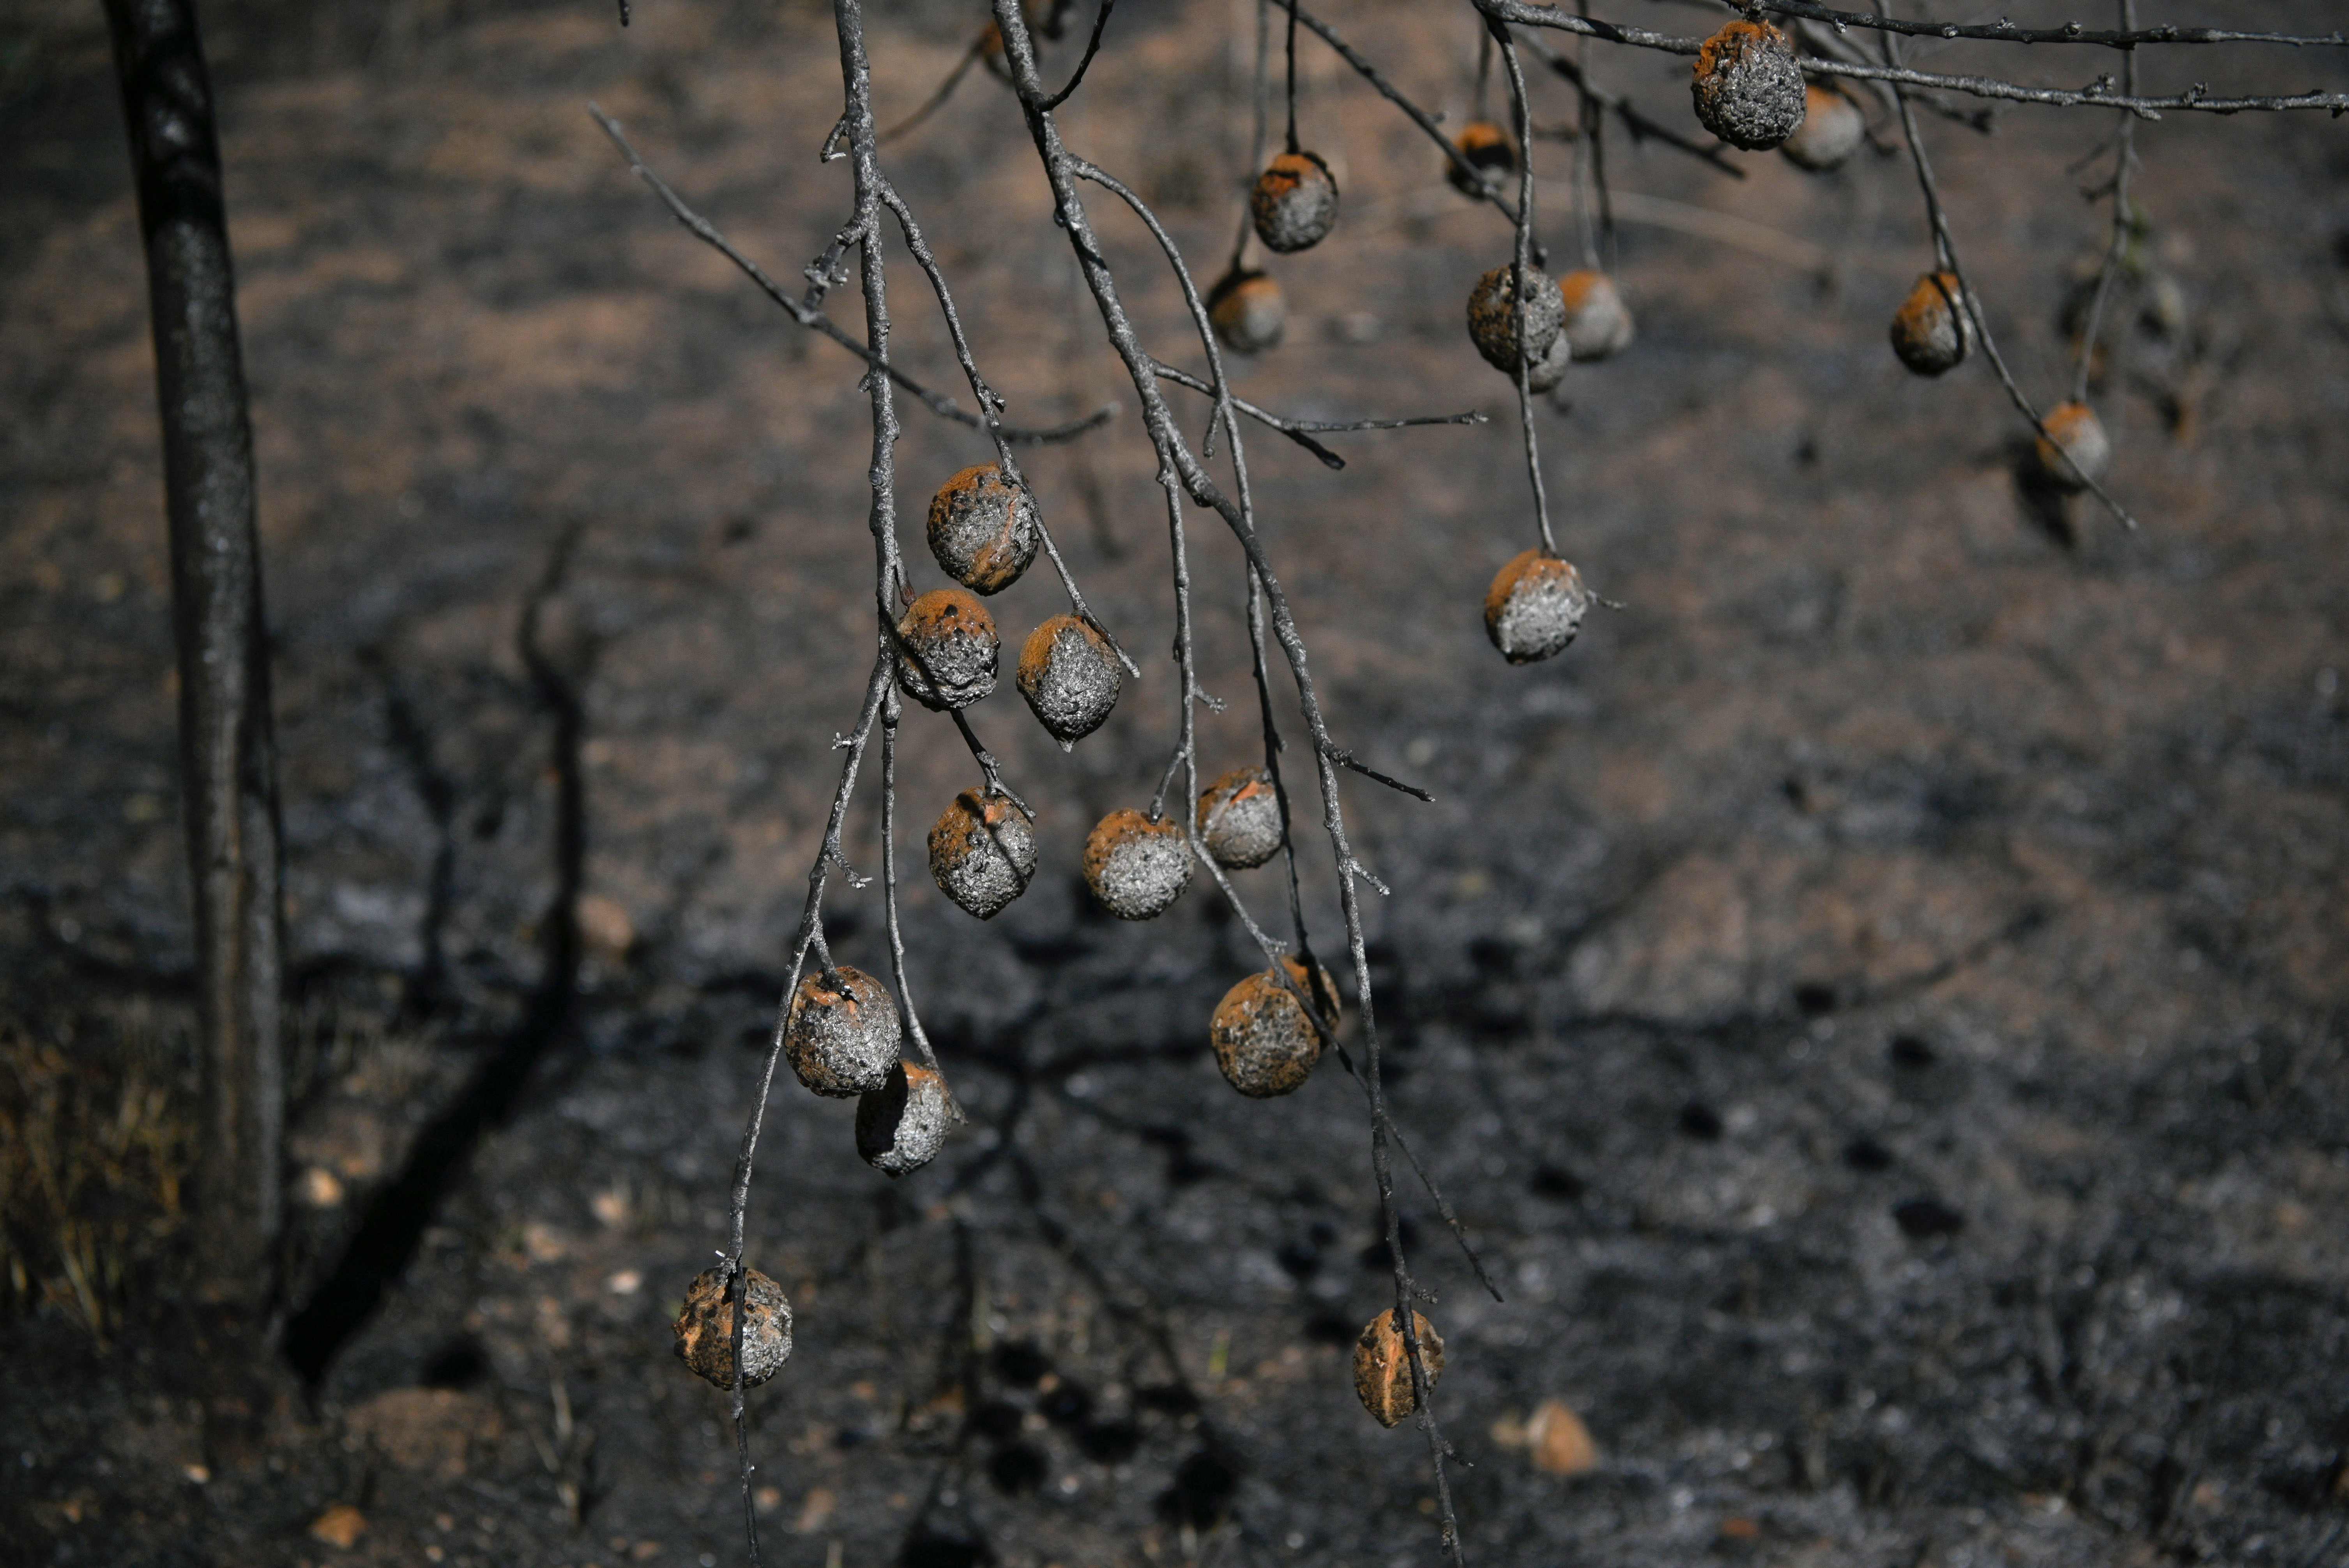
{"x":843,"y":1033}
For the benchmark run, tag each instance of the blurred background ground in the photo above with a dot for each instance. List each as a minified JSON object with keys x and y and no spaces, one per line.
{"x":1876,"y":1001}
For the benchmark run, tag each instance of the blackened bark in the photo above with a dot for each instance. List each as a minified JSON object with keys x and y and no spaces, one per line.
{"x":227,"y":751}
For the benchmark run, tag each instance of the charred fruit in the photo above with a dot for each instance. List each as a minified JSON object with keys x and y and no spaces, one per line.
{"x":1136,"y":867}
{"x":840,"y":1034}
{"x":705,"y":1329}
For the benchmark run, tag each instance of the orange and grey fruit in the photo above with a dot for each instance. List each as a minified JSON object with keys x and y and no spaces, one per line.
{"x":1382,"y":1365}
{"x":705,"y":1328}
{"x":1932,"y":332}
{"x":1748,"y":87}
{"x":1534,"y":607}
{"x":2080,"y":435}
{"x":1598,"y":322}
{"x":840,"y":1034}
{"x":1489,"y":149}
{"x":1295,"y":204}
{"x":982,"y":851}
{"x":1239,"y":818}
{"x":1832,"y":129}
{"x":1493,"y":317}
{"x":947,"y":650}
{"x":901,"y":1125}
{"x":1069,"y":673}
{"x":1136,"y":867}
{"x":982,"y":529}
{"x":1264,"y":1042}
{"x":1247,"y":311}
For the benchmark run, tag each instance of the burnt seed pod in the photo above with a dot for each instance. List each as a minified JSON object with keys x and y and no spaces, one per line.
{"x":982,"y":851}
{"x":1493,"y":317}
{"x":1239,"y":818}
{"x":1068,"y":674}
{"x":841,"y":1033}
{"x":947,"y":650}
{"x":901,"y":1125}
{"x":2080,"y":435}
{"x":1748,"y":87}
{"x":982,"y":529}
{"x":1136,"y":867}
{"x":1488,"y":147}
{"x":1382,"y":1365}
{"x":1295,"y":204}
{"x":1832,"y":129}
{"x":705,"y":1329}
{"x":1246,"y":311}
{"x":1534,"y":607}
{"x":1597,"y":321}
{"x":1932,"y":332}
{"x":1263,"y":1041}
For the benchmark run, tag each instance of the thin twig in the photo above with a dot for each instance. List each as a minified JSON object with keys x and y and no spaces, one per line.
{"x":816,"y":321}
{"x":2124,"y":158}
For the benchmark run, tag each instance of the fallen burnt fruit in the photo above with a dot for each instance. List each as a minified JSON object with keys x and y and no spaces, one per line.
{"x":1493,"y":317}
{"x":1747,"y":88}
{"x":982,"y":851}
{"x":982,"y":529}
{"x":1136,"y":867}
{"x":841,"y":1032}
{"x":1069,"y":673}
{"x":2080,"y":435}
{"x":1247,"y":311}
{"x":1832,"y":129}
{"x":1932,"y":332}
{"x":1597,"y":321}
{"x":901,"y":1125}
{"x":705,"y":1329}
{"x":1263,"y":1041}
{"x":1295,"y":204}
{"x":1534,"y":607}
{"x":1382,"y":1365}
{"x":947,"y":650}
{"x":1239,"y":818}
{"x":1488,"y":147}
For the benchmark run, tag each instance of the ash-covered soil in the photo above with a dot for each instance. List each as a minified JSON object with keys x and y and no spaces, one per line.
{"x":1875,"y":1002}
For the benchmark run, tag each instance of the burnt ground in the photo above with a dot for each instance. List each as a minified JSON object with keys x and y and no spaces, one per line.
{"x":1875,"y":1002}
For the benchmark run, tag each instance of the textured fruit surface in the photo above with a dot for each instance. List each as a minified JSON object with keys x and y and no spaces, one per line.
{"x":1534,"y":607}
{"x":1295,"y":204}
{"x":982,"y":851}
{"x":841,"y":1036}
{"x":982,"y":529}
{"x":1239,"y":818}
{"x":705,"y":1328}
{"x":1382,"y":1379}
{"x":1136,"y":867}
{"x":1931,"y":332}
{"x":1069,"y":677}
{"x":1747,"y":88}
{"x":901,"y":1125}
{"x":1263,"y":1040}
{"x":1492,"y":317}
{"x":947,"y":649}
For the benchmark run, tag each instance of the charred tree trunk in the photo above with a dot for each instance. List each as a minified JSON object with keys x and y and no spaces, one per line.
{"x":227,"y":752}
